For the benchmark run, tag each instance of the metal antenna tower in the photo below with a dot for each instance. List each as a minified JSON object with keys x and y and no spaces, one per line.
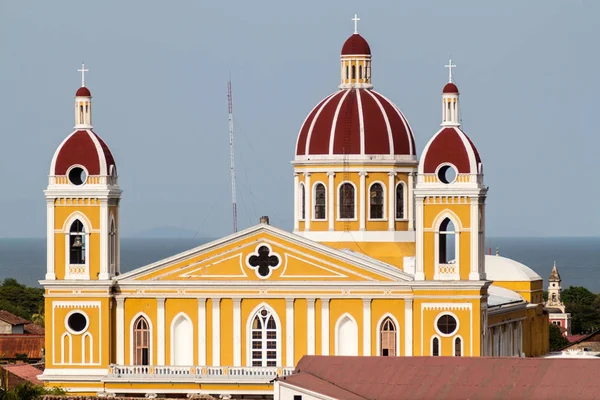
{"x":232,"y":156}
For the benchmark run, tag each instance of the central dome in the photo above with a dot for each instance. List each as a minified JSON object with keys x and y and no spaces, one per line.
{"x":355,"y":121}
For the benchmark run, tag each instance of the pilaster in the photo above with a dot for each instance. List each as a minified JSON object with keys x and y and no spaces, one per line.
{"x":120,"y":316}
{"x":289,"y":332}
{"x":50,"y":272}
{"x":331,"y":200}
{"x":362,"y":200}
{"x":408,"y":328}
{"x":325,"y":327}
{"x":296,"y":202}
{"x":201,"y":331}
{"x":104,"y":223}
{"x":237,"y":333}
{"x":310,"y":327}
{"x":366,"y":327}
{"x":307,"y":199}
{"x":160,"y":331}
{"x":216,"y":332}
{"x":391,"y":201}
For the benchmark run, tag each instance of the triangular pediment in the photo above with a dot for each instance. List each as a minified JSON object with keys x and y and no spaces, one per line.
{"x":264,"y":253}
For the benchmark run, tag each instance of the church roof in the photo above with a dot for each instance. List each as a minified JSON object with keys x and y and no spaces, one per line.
{"x":391,"y":378}
{"x":498,"y":268}
{"x":501,"y":296}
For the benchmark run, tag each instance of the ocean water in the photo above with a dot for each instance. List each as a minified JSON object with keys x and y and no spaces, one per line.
{"x":578,"y":259}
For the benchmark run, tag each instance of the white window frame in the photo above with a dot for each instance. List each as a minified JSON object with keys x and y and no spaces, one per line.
{"x":87,"y":226}
{"x":462,"y":346}
{"x":439,"y":346}
{"x":314,"y":202}
{"x":339,"y":202}
{"x":131,"y":340}
{"x":457,"y":230}
{"x":379,"y":326}
{"x":278,"y":346}
{"x":404,"y":208}
{"x":368,"y":194}
{"x":440,"y":315}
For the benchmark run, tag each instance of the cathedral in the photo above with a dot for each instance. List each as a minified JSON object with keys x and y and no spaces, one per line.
{"x":386,"y":258}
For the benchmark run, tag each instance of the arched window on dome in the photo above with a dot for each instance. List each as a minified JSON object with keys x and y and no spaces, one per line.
{"x":320,"y":201}
{"x":400,"y":201}
{"x":447,"y":241}
{"x":360,"y":72}
{"x":354,"y":72}
{"x":376,"y":201}
{"x":346,"y":201}
{"x":347,"y":72}
{"x":141,"y":342}
{"x":388,"y":338}
{"x":302,"y":201}
{"x":77,"y":243}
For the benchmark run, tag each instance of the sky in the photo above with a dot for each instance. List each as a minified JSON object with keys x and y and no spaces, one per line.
{"x":527,"y":73}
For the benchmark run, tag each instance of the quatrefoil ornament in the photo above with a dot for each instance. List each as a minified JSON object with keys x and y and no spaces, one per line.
{"x":263,"y":261}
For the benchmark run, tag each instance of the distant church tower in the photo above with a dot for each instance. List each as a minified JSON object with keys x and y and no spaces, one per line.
{"x":354,"y":167}
{"x":450,"y":201}
{"x":554,"y":305}
{"x":82,"y":200}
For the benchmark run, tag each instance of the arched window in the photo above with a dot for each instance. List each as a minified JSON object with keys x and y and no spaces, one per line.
{"x":112,"y":240}
{"x":346,"y":337}
{"x":447,"y":241}
{"x":347,"y":74}
{"x":346,"y":201}
{"x":376,"y":201}
{"x":320,"y":201}
{"x":388,"y":338}
{"x":302,"y":201}
{"x":360,"y":74}
{"x":77,"y":243}
{"x":141,"y":342}
{"x":400,"y":201}
{"x":435,"y":347}
{"x":457,"y":347}
{"x":354,"y":72}
{"x":264,"y":339}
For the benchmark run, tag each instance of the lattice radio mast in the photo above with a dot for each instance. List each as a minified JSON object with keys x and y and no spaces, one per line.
{"x":232,"y":156}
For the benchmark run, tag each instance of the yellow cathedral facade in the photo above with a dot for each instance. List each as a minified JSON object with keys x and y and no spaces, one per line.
{"x":386,"y":258}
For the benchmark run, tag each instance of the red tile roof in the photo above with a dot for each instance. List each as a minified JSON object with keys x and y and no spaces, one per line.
{"x":35,"y":329}
{"x":25,"y":371}
{"x":12,"y":344}
{"x":392,"y":378}
{"x":12,"y":318}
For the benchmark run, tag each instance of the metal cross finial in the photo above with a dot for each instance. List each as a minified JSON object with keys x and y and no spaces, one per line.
{"x":83,"y":71}
{"x":450,"y":66}
{"x":355,"y":19}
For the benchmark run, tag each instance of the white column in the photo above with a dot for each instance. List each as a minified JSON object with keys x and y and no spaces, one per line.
{"x":362,"y":200}
{"x":296,"y":202}
{"x":325,"y":327}
{"x":410,"y":201}
{"x":202,"y":332}
{"x":289,"y":332}
{"x":310,"y":327}
{"x":391,"y":201}
{"x":366,"y":327}
{"x":50,"y":274}
{"x":216,"y":332}
{"x":419,"y":272}
{"x":103,"y":240}
{"x":331,"y":190}
{"x":237,"y":333}
{"x":121,"y":332}
{"x":408,"y":328}
{"x":160,"y":331}
{"x":307,"y":201}
{"x":474,"y":272}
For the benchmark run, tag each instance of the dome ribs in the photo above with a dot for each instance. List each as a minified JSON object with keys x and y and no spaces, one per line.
{"x":347,"y":131}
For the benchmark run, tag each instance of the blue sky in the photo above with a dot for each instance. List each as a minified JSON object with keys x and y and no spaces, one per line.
{"x":527,"y":72}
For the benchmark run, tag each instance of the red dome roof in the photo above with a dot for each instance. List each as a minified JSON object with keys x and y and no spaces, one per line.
{"x":356,"y":44}
{"x":84,"y":148}
{"x":355,"y":122}
{"x":450,"y":146}
{"x":450,"y":88}
{"x":83,"y":91}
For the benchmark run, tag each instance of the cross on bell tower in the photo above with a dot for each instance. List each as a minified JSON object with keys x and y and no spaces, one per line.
{"x":355,"y":19}
{"x":450,"y":66}
{"x":83,"y":70}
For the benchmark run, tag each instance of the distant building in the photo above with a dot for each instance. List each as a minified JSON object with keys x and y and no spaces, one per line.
{"x":392,"y":378}
{"x":588,"y":343}
{"x":10,"y":323}
{"x":555,"y":307}
{"x":19,"y":338}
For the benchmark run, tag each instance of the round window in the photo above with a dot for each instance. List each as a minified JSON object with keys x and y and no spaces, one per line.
{"x":447,"y":174}
{"x":447,"y":324}
{"x":77,"y":322}
{"x":77,"y":176}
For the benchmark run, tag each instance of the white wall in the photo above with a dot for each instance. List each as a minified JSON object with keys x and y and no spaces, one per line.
{"x":286,"y":393}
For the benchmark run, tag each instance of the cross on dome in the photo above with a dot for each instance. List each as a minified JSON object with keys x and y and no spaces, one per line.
{"x":355,"y":19}
{"x":83,"y":71}
{"x":450,"y":66}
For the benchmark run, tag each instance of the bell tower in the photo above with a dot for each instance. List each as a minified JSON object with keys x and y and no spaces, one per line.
{"x":82,"y":201}
{"x":450,"y":201}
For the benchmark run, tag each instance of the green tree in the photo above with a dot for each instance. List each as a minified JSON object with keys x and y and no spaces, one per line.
{"x":28,"y":391}
{"x":557,"y":340}
{"x":19,"y":299}
{"x":39,"y":317}
{"x":577,"y":295}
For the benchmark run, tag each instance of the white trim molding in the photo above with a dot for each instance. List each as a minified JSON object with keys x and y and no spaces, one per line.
{"x":339,"y":201}
{"x":368,"y":199}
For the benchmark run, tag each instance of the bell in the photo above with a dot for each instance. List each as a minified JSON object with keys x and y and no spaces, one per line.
{"x":77,"y":242}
